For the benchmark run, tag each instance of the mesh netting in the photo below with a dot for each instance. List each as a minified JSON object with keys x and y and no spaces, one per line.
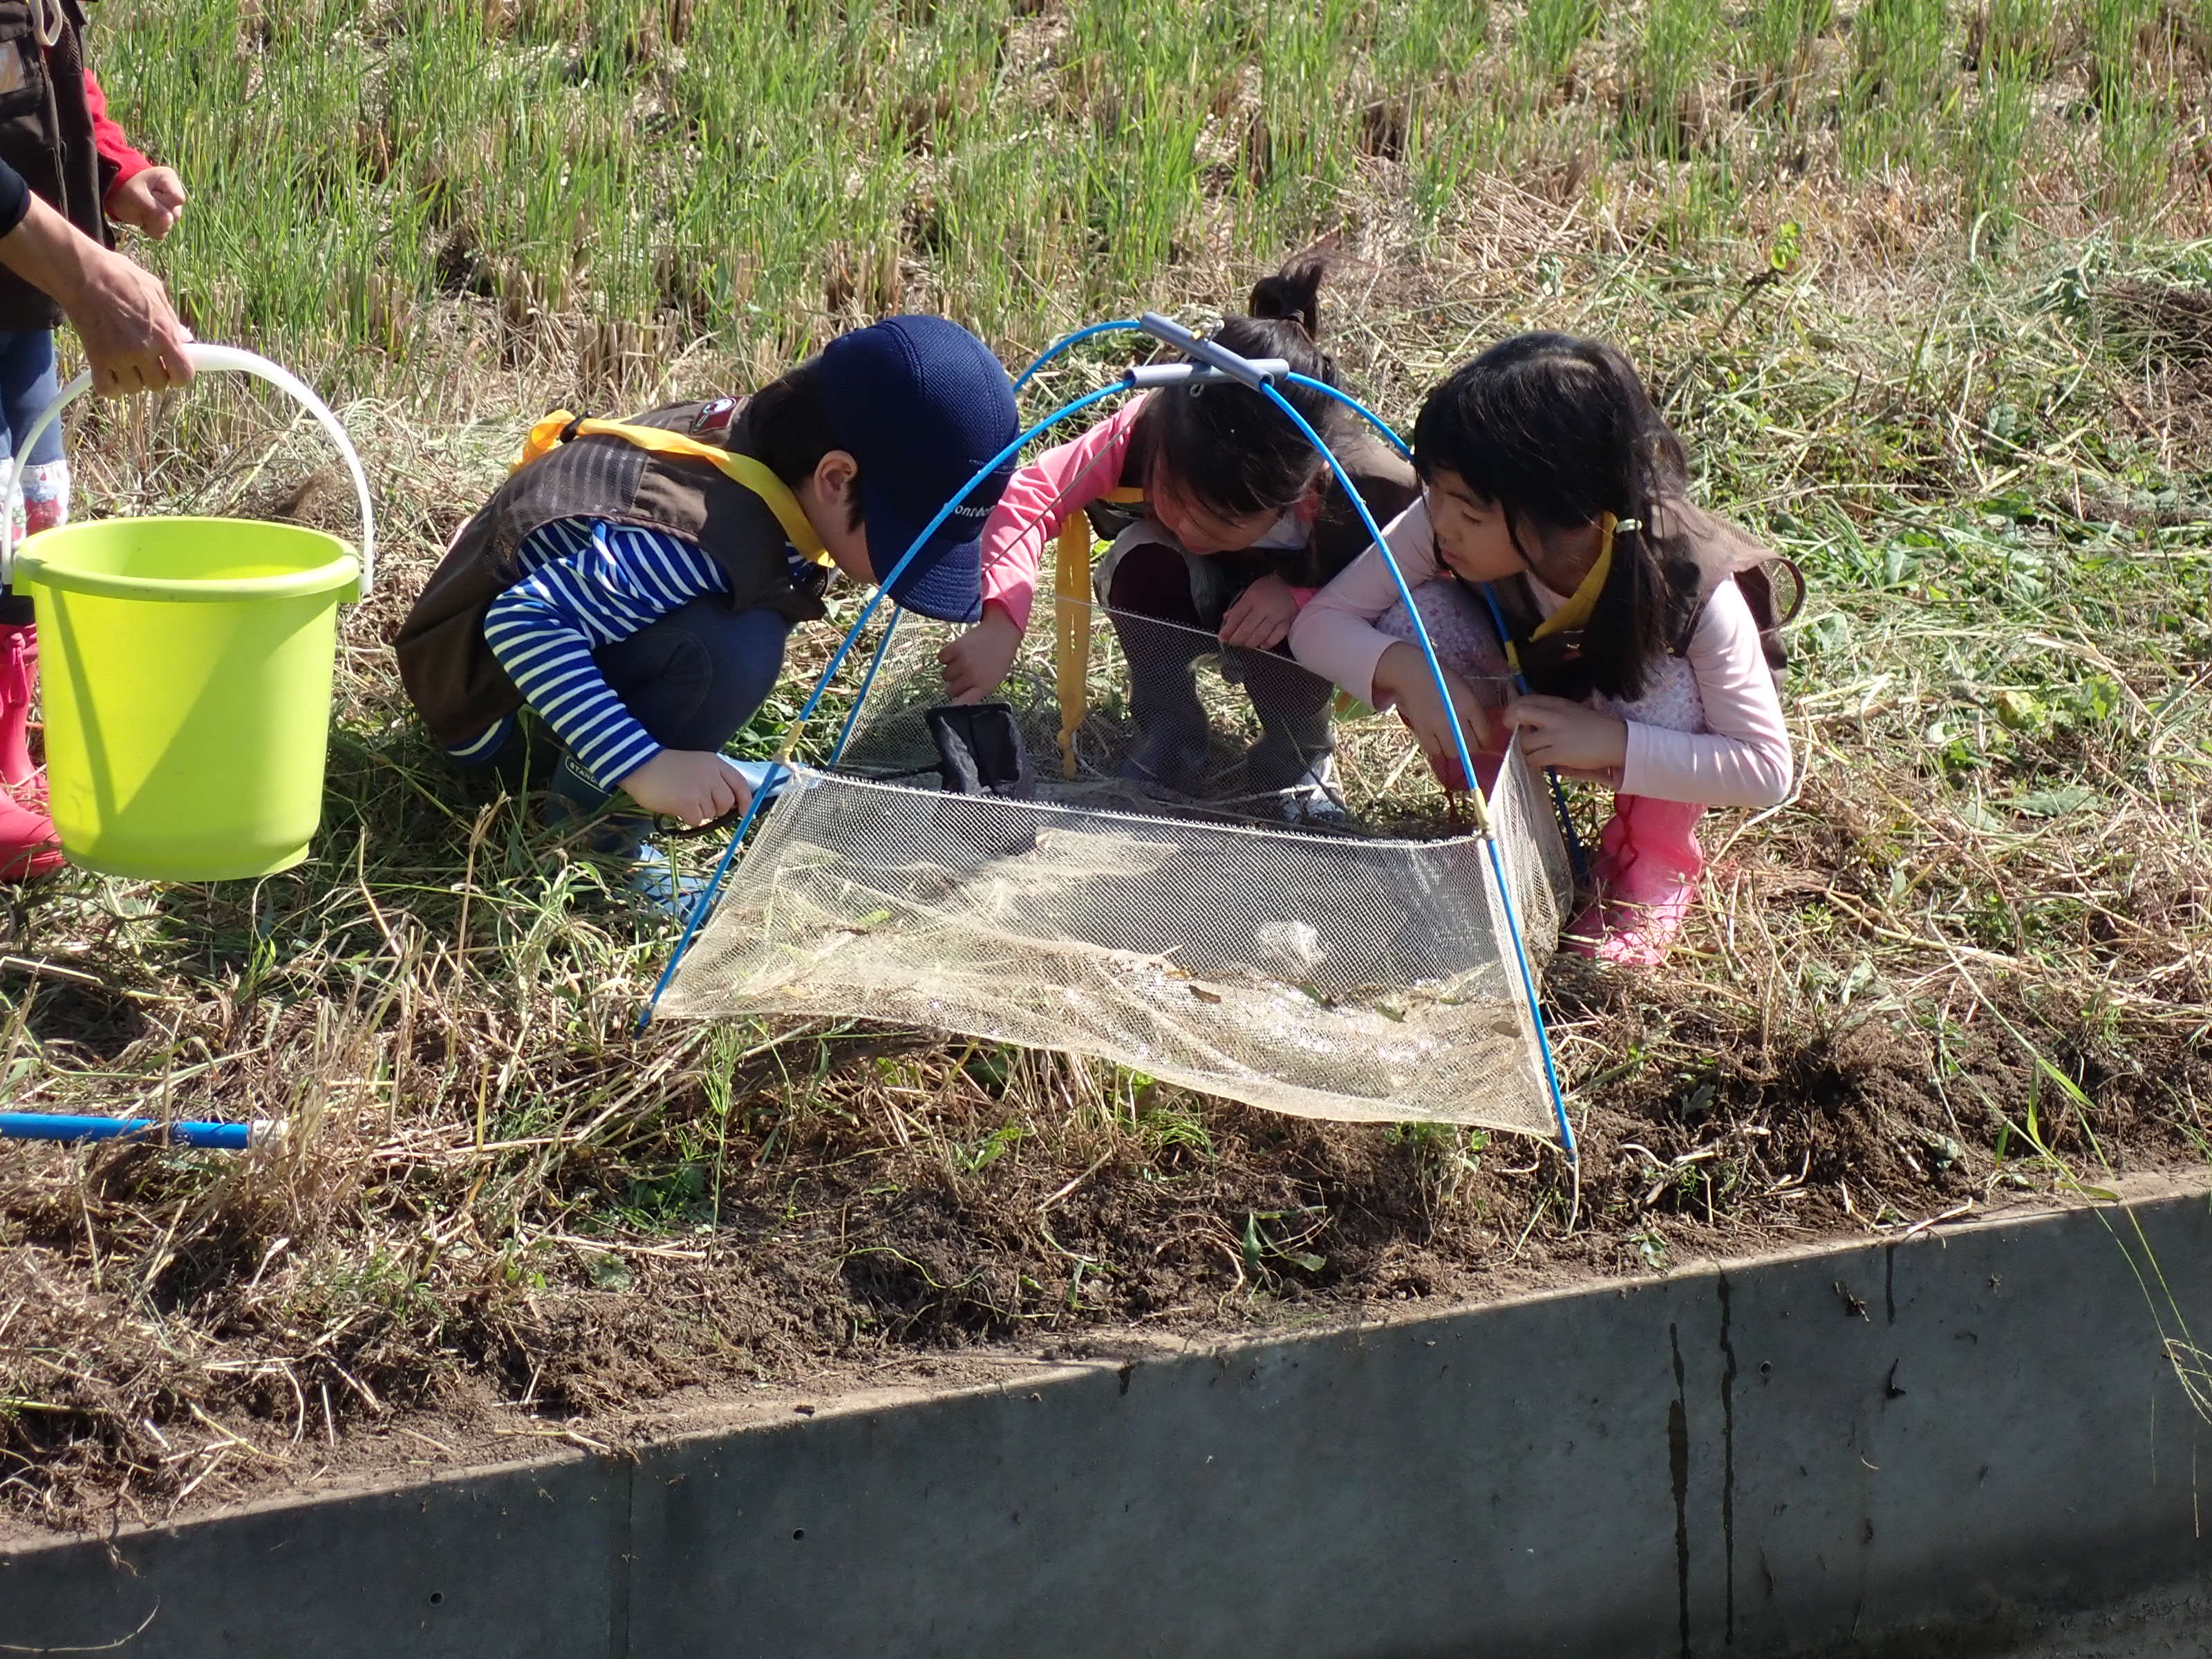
{"x":1357,"y":974}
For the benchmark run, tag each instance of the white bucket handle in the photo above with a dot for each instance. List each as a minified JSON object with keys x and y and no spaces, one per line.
{"x":205,"y":357}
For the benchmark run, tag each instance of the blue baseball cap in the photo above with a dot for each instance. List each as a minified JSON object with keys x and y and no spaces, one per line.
{"x":921,"y":404}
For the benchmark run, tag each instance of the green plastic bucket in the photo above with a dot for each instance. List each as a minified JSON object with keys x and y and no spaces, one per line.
{"x":186,"y":666}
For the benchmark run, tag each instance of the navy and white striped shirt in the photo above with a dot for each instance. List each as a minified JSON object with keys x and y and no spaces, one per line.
{"x":587,"y":583}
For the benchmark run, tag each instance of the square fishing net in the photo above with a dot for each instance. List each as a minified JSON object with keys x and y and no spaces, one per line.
{"x":1348,"y":969}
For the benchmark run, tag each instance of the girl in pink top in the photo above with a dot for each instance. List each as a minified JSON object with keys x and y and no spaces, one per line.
{"x":1547,"y":474}
{"x":1240,"y":521}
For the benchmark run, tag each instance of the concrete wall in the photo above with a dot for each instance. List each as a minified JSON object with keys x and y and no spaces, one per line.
{"x":1822,"y":1453}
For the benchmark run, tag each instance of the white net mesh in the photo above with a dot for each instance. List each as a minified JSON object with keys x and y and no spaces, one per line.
{"x":1352,"y":974}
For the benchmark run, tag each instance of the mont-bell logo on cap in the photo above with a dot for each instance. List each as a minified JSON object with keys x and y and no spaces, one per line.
{"x":971,"y":510}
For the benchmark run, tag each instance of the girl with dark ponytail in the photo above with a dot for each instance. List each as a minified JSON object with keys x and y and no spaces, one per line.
{"x":1644,"y":625}
{"x":1240,"y":521}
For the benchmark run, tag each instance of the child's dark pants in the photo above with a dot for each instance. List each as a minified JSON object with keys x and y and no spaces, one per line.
{"x":698,"y":675}
{"x":691,"y":679}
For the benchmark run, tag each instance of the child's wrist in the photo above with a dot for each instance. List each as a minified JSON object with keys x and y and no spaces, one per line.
{"x":1620,"y":755}
{"x":1388,"y":668}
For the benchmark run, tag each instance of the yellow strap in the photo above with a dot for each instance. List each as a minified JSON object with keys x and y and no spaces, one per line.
{"x":548,"y":433}
{"x":1072,"y":624}
{"x":1577,"y":610}
{"x":1071,"y":635}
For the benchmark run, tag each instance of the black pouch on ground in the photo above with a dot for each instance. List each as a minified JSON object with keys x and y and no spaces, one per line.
{"x":980,"y":752}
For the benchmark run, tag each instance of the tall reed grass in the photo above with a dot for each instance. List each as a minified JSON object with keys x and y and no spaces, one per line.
{"x":596,"y":183}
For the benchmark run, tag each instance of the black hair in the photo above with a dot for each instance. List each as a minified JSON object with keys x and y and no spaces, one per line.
{"x":1228,"y":446}
{"x":789,"y":422}
{"x":1559,"y":431}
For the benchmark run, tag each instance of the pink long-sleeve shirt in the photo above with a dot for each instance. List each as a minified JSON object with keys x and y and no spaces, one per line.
{"x":1039,"y":498}
{"x":1742,"y":758}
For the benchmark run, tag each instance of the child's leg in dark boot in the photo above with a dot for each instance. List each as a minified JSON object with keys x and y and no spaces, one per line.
{"x":1150,"y":604}
{"x":522,"y":760}
{"x":692,"y":679}
{"x":1295,"y":755}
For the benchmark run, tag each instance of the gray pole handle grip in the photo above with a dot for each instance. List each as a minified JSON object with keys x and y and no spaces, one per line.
{"x":204,"y":356}
{"x":1250,"y":372}
{"x":1144,"y":376}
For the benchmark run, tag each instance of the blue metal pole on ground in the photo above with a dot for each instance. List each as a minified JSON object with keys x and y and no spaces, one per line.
{"x":53,"y":1126}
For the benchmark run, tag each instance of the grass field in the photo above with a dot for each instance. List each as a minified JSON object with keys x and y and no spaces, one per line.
{"x":1927,"y":287}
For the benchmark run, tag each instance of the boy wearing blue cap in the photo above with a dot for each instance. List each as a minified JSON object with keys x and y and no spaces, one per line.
{"x":633,"y":582}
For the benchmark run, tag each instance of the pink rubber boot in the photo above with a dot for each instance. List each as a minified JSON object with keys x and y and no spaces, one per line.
{"x":28,"y":846}
{"x":1647,"y":870}
{"x":19,"y":682}
{"x":44,"y":506}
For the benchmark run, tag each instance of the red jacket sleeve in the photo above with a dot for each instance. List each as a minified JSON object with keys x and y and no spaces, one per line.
{"x":108,"y":138}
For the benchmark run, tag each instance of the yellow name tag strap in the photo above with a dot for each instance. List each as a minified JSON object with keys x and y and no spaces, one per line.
{"x":561,"y":425}
{"x":1072,"y":624}
{"x":1577,"y":610}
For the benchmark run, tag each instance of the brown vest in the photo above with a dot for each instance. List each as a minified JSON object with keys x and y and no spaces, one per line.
{"x":1773,"y":590}
{"x":46,"y":135}
{"x":449,"y":671}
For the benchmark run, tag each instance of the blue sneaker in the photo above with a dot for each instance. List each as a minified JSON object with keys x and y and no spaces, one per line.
{"x":661,"y":886}
{"x":576,"y":804}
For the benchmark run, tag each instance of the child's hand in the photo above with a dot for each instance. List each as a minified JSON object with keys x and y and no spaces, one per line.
{"x":689,"y":785}
{"x":149,"y":201}
{"x":978,"y":660}
{"x":1261,"y":617}
{"x":1568,"y":735}
{"x":1402,"y":677}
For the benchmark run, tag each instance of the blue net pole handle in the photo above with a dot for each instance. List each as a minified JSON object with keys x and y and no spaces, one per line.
{"x":1250,"y":372}
{"x":1144,"y":376}
{"x":204,"y":357}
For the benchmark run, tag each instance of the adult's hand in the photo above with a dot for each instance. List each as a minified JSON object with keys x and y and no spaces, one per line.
{"x":132,"y":335}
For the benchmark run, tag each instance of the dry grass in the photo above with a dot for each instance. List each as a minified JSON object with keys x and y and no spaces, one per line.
{"x":497,"y":1211}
